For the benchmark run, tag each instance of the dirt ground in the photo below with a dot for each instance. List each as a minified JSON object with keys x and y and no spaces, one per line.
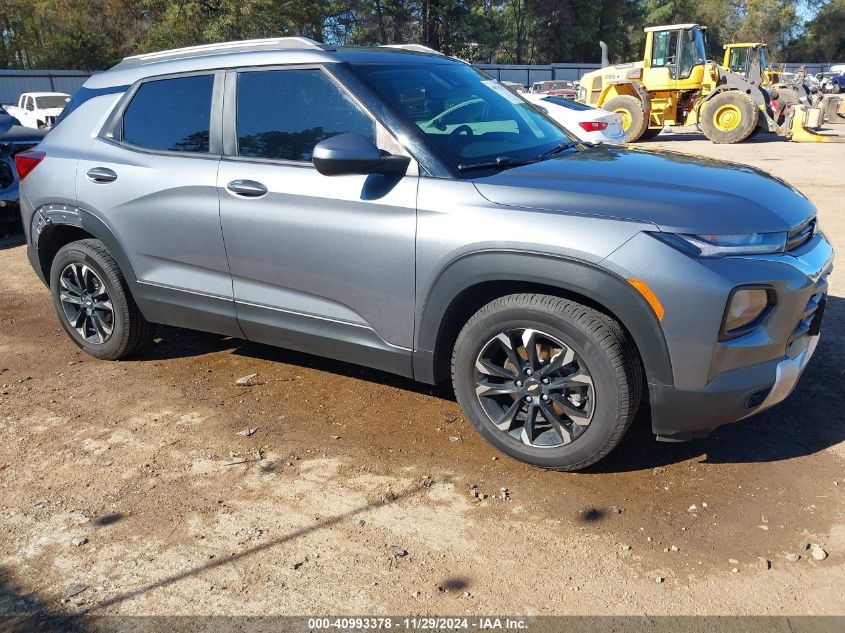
{"x":132,"y":485}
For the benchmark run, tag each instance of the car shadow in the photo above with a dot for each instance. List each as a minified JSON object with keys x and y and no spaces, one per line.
{"x":172,"y":342}
{"x":806,"y":423}
{"x":762,"y":137}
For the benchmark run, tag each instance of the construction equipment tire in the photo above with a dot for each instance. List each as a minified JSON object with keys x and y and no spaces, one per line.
{"x":729,"y":117}
{"x":634,"y":116}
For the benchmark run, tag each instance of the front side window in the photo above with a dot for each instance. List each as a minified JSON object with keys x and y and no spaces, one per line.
{"x":283,"y":114}
{"x":467,"y":116}
{"x":665,"y":49}
{"x":171,"y":115}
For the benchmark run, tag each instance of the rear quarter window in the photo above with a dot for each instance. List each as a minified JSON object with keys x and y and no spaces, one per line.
{"x":170,"y":115}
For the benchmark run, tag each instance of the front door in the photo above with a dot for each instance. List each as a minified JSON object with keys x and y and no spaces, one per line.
{"x":320,"y":264}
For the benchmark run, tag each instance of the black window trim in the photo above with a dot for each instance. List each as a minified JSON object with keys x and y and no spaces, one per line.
{"x":112,"y":131}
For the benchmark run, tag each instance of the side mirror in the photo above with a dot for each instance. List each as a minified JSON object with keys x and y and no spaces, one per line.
{"x":355,"y":154}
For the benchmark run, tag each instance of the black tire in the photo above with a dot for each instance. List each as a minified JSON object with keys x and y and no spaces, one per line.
{"x":600,"y":342}
{"x":130,"y":331}
{"x":634,"y":116}
{"x":729,"y":117}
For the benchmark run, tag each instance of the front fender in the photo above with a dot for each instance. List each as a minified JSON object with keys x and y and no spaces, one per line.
{"x":606,"y":290}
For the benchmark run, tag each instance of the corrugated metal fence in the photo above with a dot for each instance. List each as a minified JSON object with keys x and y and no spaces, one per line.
{"x":14,"y":82}
{"x":526,"y":74}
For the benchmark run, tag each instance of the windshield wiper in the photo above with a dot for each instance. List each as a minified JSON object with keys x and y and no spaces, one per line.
{"x":504,"y":161}
{"x":498,"y":162}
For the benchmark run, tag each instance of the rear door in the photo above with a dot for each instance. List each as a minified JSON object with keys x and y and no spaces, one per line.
{"x":151,"y":177}
{"x":320,"y":264}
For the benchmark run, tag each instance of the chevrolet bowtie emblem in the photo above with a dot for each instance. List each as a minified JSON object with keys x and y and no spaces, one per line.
{"x":533,"y":387}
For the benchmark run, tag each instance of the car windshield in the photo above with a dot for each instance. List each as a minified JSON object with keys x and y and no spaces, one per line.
{"x":467,"y":116}
{"x":567,"y":103}
{"x":52,"y":101}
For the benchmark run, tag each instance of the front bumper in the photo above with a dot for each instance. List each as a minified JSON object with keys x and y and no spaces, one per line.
{"x":679,"y":415}
{"x":721,"y":381}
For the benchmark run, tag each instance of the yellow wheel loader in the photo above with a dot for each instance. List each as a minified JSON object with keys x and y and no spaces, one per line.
{"x":675,"y":84}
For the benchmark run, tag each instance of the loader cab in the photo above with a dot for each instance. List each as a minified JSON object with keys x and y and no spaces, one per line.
{"x":675,"y":56}
{"x":742,"y":58}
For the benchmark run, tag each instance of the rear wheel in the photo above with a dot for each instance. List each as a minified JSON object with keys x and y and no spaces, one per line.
{"x":729,"y":117}
{"x":634,"y":116}
{"x":93,"y":302}
{"x":547,"y":381}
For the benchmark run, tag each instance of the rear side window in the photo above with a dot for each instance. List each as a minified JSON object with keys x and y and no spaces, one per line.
{"x":170,"y":114}
{"x":282,"y":114}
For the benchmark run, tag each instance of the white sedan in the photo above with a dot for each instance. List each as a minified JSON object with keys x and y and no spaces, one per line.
{"x":586,"y":122}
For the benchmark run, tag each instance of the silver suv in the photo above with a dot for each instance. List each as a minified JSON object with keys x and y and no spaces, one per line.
{"x":401,"y":210}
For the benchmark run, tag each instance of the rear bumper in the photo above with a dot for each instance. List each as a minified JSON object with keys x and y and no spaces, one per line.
{"x":679,"y":415}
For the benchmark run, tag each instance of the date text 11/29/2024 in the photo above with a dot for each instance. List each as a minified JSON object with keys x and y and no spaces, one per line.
{"x":421,"y":623}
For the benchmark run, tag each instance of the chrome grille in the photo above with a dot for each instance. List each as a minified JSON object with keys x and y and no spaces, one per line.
{"x":800,"y":234}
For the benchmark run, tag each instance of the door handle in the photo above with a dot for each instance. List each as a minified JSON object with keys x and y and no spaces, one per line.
{"x":247,"y":188}
{"x":101,"y":174}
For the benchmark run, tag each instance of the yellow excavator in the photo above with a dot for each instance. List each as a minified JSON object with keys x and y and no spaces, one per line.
{"x":675,"y":84}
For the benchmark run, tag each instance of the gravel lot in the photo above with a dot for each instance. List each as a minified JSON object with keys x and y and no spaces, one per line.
{"x":138,"y":487}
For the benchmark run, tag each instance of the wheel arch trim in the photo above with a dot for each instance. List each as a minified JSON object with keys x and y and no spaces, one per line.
{"x":50,"y":216}
{"x":570,"y":276}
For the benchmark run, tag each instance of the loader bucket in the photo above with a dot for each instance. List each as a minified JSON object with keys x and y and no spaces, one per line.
{"x":805,"y":116}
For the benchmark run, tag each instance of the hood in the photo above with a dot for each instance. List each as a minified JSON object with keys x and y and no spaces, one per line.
{"x":51,"y":111}
{"x":674,"y":191}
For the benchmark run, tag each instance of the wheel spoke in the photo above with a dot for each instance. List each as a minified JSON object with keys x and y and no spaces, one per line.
{"x":66,"y":297}
{"x":487,"y":367}
{"x":485,"y":388}
{"x":507,"y":341}
{"x":103,"y":305}
{"x":581,"y":416}
{"x":578,"y":379}
{"x":529,"y":342}
{"x":560,"y":426}
{"x":561,"y":359}
{"x":528,"y":429}
{"x":505,"y":422}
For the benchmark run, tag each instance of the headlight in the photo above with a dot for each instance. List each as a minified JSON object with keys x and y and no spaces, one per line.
{"x":746,"y":306}
{"x":726,"y":244}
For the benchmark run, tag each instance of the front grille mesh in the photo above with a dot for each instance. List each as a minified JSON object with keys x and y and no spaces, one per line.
{"x":806,"y":318}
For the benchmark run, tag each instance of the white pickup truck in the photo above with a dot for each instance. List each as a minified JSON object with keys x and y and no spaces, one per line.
{"x":38,"y":109}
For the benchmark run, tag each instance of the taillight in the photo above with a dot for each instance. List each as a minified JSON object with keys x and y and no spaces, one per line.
{"x":26,"y":161}
{"x":593,"y":126}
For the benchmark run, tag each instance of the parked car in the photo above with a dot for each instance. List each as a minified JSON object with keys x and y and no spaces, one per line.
{"x":513,"y":85}
{"x":586,"y":122}
{"x":559,"y":87}
{"x":403,"y":211}
{"x":14,"y":139}
{"x":38,"y":109}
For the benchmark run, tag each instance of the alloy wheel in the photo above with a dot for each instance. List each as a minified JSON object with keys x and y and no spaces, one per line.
{"x":86,"y":303}
{"x":534,"y":387}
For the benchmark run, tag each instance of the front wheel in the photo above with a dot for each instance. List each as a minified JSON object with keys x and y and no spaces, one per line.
{"x":547,"y":381}
{"x":729,"y":117}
